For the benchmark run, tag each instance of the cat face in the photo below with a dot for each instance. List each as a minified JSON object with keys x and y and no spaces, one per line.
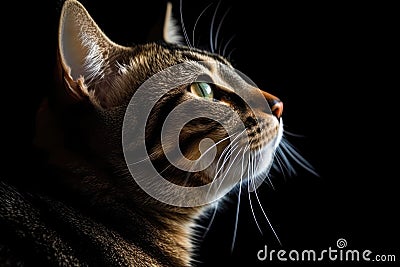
{"x":179,"y":115}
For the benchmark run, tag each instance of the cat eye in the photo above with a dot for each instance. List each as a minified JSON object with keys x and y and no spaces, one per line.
{"x":202,"y":89}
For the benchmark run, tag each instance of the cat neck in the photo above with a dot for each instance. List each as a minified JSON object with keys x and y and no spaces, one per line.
{"x":114,"y":200}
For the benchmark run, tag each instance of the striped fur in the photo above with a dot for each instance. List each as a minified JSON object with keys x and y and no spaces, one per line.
{"x":90,"y":212}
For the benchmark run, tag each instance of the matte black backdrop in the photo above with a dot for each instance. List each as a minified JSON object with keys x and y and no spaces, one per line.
{"x":328,"y":62}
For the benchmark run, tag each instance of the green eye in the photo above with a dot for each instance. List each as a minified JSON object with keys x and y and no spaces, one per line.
{"x":202,"y":89}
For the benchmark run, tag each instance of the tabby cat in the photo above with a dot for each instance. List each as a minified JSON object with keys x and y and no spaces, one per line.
{"x":100,"y":203}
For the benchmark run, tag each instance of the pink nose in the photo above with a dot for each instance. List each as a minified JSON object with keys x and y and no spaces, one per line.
{"x":277,"y":108}
{"x":275,"y":104}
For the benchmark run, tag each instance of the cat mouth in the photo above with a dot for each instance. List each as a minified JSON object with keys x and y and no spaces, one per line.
{"x":249,"y":158}
{"x":265,"y":133}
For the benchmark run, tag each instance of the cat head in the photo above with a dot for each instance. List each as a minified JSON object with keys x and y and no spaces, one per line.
{"x":162,"y":109}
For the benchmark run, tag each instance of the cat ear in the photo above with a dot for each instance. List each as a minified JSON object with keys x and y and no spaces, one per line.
{"x":166,"y":28}
{"x":171,"y":32}
{"x":83,"y":48}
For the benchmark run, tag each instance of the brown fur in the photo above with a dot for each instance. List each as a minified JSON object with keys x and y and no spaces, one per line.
{"x":79,"y":126}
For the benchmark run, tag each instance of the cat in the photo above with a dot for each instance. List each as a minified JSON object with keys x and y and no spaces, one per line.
{"x":124,"y":181}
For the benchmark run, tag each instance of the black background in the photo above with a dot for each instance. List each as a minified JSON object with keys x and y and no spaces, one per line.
{"x":332,"y":64}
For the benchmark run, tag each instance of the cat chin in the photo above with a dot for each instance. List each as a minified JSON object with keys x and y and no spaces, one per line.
{"x":278,"y":138}
{"x":264,"y":158}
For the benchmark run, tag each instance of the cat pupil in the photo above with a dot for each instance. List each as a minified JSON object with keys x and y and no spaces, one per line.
{"x":202,"y":89}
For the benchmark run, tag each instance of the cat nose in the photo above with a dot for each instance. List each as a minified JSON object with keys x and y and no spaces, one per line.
{"x":276,"y":107}
{"x":275,"y":104}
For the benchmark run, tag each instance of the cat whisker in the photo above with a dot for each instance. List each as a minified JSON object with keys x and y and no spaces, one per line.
{"x":261,"y":159}
{"x":237,"y":216}
{"x":269,"y":182}
{"x":220,"y":26}
{"x":227,"y":44}
{"x":226,"y":171}
{"x":230,"y":53}
{"x":284,"y":163}
{"x":227,"y":153}
{"x":251,"y":179}
{"x":183,"y":25}
{"x":224,"y":154}
{"x":220,"y":141}
{"x":250,"y":202}
{"x":295,"y":155}
{"x":280,"y":163}
{"x":252,"y":172}
{"x":205,"y":152}
{"x":230,"y":152}
{"x":212,"y":28}
{"x":292,"y":134}
{"x":238,"y":202}
{"x":266,"y":217}
{"x":228,"y":148}
{"x":197,"y":20}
